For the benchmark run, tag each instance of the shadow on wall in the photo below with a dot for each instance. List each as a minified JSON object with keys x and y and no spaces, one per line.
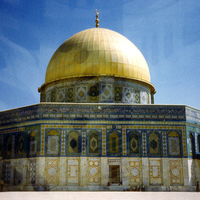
{"x":24,"y":177}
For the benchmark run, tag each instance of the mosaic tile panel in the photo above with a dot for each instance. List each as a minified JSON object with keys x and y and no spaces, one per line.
{"x":70,"y":94}
{"x":93,"y":93}
{"x":124,"y":141}
{"x":73,"y":171}
{"x":48,"y":96}
{"x":114,"y":144}
{"x":134,"y":145}
{"x":53,"y":95}
{"x":32,"y":172}
{"x":32,"y":143}
{"x":137,"y":96}
{"x":106,"y":92}
{"x":12,"y":130}
{"x":118,"y":94}
{"x":81,"y":93}
{"x":94,"y":143}
{"x":73,"y":142}
{"x":103,"y":141}
{"x":174,"y":145}
{"x":20,"y":146}
{"x":53,"y":142}
{"x":83,"y":143}
{"x":184,"y":142}
{"x":154,"y":144}
{"x":18,"y":172}
{"x":94,"y":171}
{"x":135,"y":172}
{"x":164,"y":143}
{"x":128,"y":95}
{"x":42,"y":146}
{"x":7,"y":172}
{"x":175,"y":172}
{"x":144,"y":144}
{"x":8,"y":146}
{"x":63,"y":142}
{"x":144,"y":97}
{"x":60,"y":96}
{"x":155,"y":172}
{"x":51,"y":172}
{"x":13,"y":147}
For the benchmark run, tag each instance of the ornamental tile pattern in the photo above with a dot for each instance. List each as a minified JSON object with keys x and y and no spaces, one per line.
{"x":7,"y":172}
{"x":81,"y":93}
{"x":32,"y":172}
{"x":164,"y":143}
{"x":73,"y":171}
{"x":155,"y":172}
{"x":63,"y":142}
{"x":42,"y":147}
{"x":135,"y":172}
{"x":83,"y":143}
{"x":51,"y":171}
{"x":60,"y":95}
{"x":128,"y":95}
{"x":144,"y":144}
{"x":106,"y":92}
{"x":94,"y":171}
{"x":175,"y":172}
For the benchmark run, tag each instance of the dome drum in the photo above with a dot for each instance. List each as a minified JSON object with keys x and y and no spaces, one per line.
{"x":97,"y":90}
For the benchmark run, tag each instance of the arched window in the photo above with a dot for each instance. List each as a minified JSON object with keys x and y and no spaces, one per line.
{"x":154,"y":144}
{"x":53,"y":143}
{"x":20,"y":145}
{"x":174,"y":144}
{"x":191,"y":146}
{"x":73,"y":142}
{"x":94,"y":143}
{"x":7,"y":146}
{"x":114,"y":148}
{"x":114,"y":144}
{"x":32,"y":143}
{"x":134,"y":144}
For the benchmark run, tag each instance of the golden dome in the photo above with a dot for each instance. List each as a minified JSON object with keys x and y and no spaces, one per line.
{"x":97,"y":52}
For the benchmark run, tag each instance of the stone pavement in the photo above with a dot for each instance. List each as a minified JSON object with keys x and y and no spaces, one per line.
{"x":100,"y":195}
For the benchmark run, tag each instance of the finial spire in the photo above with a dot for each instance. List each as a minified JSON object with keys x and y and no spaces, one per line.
{"x":97,"y":18}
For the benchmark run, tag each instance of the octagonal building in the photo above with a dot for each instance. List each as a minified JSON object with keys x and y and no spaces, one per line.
{"x":97,"y":128}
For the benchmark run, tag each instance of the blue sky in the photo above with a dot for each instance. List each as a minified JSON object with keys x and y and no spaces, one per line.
{"x":166,"y":32}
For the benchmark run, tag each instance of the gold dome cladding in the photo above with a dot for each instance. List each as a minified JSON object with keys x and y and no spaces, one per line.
{"x":97,"y":52}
